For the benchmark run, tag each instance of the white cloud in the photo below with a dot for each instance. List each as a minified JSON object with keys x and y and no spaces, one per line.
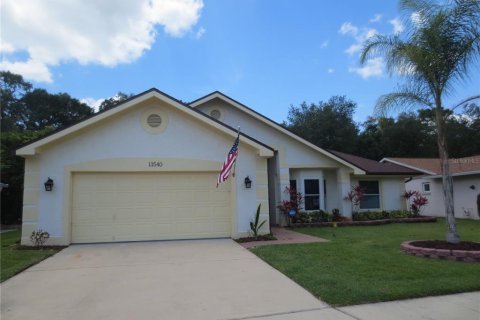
{"x":200,"y":33}
{"x":398,"y":26}
{"x":330,"y":70}
{"x":107,"y":32}
{"x":372,"y":68}
{"x":376,"y":18}
{"x":416,"y":18}
{"x":348,"y":28}
{"x":324,"y":44}
{"x":360,"y":36}
{"x":92,"y":102}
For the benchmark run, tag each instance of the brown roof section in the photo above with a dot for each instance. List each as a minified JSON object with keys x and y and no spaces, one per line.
{"x":375,"y":167}
{"x":460,"y":165}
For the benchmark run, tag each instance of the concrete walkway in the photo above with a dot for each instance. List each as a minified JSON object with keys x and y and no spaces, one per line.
{"x":462,"y":306}
{"x":284,"y":236}
{"x":198,"y":279}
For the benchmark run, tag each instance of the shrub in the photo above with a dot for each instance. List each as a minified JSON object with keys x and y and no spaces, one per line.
{"x":368,"y":215}
{"x":39,"y":237}
{"x":400,"y":214}
{"x":313,"y":216}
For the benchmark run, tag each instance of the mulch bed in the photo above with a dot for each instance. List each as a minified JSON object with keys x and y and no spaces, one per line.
{"x":440,"y":244}
{"x":58,"y":248}
{"x":267,"y":237}
{"x":365,"y":223}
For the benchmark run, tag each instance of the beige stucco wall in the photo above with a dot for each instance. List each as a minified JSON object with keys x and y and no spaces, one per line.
{"x":120,"y":143}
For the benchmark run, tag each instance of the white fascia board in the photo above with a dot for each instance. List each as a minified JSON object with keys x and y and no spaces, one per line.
{"x":459,"y":174}
{"x":278,"y":127}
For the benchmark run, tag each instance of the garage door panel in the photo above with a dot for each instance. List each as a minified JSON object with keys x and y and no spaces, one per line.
{"x":143,"y":206}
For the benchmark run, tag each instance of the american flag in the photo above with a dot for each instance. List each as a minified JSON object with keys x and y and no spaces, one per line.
{"x":229,"y":162}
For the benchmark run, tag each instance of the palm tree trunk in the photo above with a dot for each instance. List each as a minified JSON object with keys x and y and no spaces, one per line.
{"x":447,"y":181}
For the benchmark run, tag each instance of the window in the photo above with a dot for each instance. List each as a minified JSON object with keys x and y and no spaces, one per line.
{"x":371,"y":198}
{"x":312,"y":194}
{"x":426,"y":187}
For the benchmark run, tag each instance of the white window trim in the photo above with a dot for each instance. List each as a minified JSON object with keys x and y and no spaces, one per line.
{"x":429,"y":186}
{"x":373,"y":194}
{"x":320,"y":195}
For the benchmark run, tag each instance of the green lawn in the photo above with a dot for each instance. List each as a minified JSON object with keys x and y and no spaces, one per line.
{"x":13,"y":261}
{"x":365,"y":264}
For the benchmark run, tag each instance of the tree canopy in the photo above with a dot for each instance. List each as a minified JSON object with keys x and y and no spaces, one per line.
{"x":437,"y":51}
{"x":328,"y":124}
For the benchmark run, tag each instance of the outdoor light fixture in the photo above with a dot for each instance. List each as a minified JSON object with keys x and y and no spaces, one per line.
{"x":472,"y":187}
{"x":248,"y":182}
{"x":49,"y":184}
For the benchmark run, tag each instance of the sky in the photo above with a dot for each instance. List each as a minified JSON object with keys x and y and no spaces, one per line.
{"x":267,"y":54}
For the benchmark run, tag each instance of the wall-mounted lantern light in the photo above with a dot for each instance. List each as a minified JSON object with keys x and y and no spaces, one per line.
{"x":49,"y":184}
{"x":248,"y":182}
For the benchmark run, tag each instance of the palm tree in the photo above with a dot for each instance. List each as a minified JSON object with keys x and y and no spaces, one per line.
{"x":438,"y":50}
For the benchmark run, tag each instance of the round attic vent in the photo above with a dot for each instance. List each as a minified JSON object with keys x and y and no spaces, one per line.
{"x":215,"y":114}
{"x":154,"y":120}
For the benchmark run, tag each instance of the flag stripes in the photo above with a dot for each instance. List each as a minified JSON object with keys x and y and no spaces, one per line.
{"x":229,"y":162}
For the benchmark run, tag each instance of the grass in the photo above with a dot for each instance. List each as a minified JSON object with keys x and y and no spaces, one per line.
{"x":365,"y":264}
{"x":12,"y":260}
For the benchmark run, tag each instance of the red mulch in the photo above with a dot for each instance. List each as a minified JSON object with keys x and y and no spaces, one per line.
{"x":441,"y":244}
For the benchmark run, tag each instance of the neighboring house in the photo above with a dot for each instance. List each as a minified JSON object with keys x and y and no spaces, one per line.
{"x":466,"y":184}
{"x":147,"y":170}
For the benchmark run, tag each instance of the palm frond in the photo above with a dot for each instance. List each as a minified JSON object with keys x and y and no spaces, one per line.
{"x":404,"y":100}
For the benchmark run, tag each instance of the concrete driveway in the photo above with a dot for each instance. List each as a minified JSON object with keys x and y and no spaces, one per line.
{"x":200,"y":279}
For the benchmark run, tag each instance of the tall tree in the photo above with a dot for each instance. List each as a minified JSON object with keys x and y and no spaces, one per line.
{"x":12,"y":90}
{"x":439,"y":49}
{"x":329,"y":124}
{"x":27,"y":114}
{"x":113,"y":101}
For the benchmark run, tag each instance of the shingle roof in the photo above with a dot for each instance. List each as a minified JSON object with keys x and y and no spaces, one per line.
{"x":375,"y":167}
{"x":432,"y":165}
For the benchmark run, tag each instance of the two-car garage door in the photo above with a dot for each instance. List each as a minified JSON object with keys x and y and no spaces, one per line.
{"x":110,"y":207}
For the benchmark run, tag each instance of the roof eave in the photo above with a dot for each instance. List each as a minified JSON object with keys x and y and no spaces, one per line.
{"x":273,"y":124}
{"x":32,"y":148}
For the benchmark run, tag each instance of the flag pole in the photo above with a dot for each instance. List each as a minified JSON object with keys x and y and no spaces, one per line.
{"x":235,"y":164}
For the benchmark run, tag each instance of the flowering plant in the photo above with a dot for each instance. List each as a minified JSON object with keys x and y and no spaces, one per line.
{"x":355,"y":196}
{"x":296,"y":200}
{"x":416,"y":201}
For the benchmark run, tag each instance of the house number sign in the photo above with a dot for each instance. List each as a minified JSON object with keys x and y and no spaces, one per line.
{"x":155,"y":164}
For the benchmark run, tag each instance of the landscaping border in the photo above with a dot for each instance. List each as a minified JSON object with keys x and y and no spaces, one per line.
{"x":364,"y":223}
{"x":445,"y":254}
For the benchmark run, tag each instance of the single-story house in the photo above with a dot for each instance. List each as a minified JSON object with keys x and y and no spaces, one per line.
{"x":147,"y":170}
{"x":466,"y":184}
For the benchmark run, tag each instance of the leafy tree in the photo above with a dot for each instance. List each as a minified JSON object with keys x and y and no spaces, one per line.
{"x":406,"y":136}
{"x":113,"y":101}
{"x":438,"y":50}
{"x":329,"y":124}
{"x":52,"y":110}
{"x":12,"y":169}
{"x":12,"y":90}
{"x":28,"y":114}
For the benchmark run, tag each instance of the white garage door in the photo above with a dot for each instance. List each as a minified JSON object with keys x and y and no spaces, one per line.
{"x":110,"y":207}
